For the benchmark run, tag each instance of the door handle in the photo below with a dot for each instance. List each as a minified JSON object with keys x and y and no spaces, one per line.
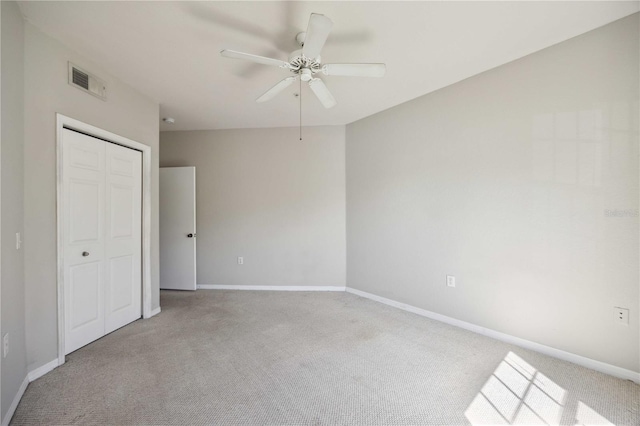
{"x":191,"y":235}
{"x":85,"y":253}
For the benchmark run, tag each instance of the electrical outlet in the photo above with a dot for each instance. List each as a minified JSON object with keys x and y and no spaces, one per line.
{"x":451,"y":281}
{"x":240,"y":260}
{"x":5,"y":345}
{"x":18,"y":241}
{"x":621,"y":315}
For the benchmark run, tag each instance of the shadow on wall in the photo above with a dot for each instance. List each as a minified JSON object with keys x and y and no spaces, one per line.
{"x":518,"y":394}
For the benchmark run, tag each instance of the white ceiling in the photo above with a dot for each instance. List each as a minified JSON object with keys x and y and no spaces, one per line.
{"x":170,"y":50}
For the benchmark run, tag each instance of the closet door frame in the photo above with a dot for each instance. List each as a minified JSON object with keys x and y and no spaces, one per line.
{"x":63,"y":122}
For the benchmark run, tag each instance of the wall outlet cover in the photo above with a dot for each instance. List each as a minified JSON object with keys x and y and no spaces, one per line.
{"x":451,"y":281}
{"x":621,"y":315}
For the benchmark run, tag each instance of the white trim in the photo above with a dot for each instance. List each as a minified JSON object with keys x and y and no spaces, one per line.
{"x":271,"y":287}
{"x":22,"y":124}
{"x":62,"y":122}
{"x":593,"y":364}
{"x":41,"y":371}
{"x":15,"y":402}
{"x":30,"y":377}
{"x":154,"y":312}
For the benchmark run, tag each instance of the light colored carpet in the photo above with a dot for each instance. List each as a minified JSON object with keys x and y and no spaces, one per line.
{"x":253,"y":358}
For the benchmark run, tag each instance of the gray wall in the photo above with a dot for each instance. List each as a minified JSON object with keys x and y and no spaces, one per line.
{"x":265,"y":195}
{"x":14,"y":366}
{"x":507,"y":180}
{"x":46,"y":91}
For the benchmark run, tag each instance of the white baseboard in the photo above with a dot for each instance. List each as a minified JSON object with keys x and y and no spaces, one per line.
{"x":154,"y":312}
{"x":593,"y":364}
{"x":41,"y":371}
{"x":15,"y":402}
{"x":271,"y":287}
{"x":31,"y":376}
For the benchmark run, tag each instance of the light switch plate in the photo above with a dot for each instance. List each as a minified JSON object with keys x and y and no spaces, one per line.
{"x":5,"y":345}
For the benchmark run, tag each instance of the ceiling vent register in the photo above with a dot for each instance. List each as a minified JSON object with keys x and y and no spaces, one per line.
{"x":86,"y":82}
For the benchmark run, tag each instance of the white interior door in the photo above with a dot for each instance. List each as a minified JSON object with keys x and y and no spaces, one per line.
{"x":84,"y":201}
{"x":178,"y":228}
{"x":102,"y":204}
{"x":123,"y":240}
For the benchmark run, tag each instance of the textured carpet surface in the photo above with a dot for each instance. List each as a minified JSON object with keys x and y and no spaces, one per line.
{"x":253,"y":358}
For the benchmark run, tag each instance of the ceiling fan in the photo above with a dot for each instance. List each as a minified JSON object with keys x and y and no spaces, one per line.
{"x":306,"y":63}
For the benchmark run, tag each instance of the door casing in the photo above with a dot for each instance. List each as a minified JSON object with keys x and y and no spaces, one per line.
{"x":62,"y":122}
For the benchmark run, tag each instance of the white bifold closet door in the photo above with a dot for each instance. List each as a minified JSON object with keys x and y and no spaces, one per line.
{"x":102,"y":237}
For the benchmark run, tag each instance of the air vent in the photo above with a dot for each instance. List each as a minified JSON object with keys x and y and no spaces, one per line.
{"x":87,"y":82}
{"x":80,"y":79}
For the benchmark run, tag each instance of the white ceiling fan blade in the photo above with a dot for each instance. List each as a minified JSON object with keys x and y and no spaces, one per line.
{"x":322,"y":92}
{"x":317,"y":33}
{"x":254,"y":58}
{"x":355,"y":70}
{"x":279,"y":87}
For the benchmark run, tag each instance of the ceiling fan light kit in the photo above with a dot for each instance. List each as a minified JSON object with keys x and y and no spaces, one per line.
{"x":306,"y":62}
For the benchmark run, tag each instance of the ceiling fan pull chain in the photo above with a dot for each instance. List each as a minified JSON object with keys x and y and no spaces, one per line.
{"x":300,"y":96}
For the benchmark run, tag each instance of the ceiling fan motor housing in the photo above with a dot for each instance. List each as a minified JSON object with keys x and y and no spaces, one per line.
{"x":299,"y":63}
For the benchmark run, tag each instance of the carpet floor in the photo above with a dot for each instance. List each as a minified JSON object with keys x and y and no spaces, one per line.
{"x":311,"y":358}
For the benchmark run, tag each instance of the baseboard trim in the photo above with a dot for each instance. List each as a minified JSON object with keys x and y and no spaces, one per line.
{"x":593,"y":364}
{"x":15,"y":402}
{"x":41,"y":371}
{"x":154,"y":312}
{"x":30,"y":377}
{"x":270,"y":287}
